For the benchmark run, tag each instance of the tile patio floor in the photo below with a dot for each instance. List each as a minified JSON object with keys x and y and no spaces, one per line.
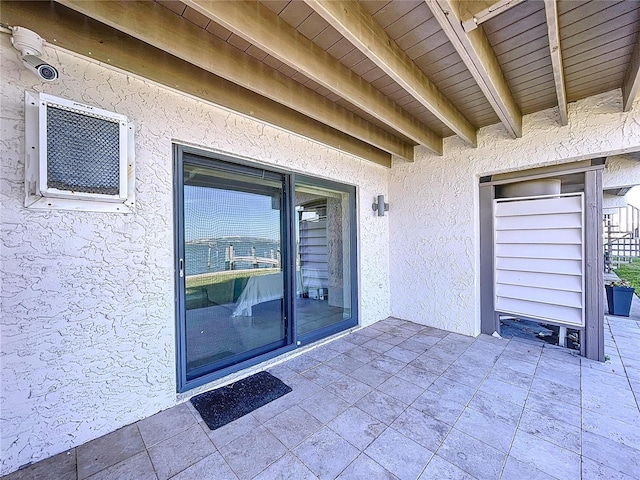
{"x":398,"y":400}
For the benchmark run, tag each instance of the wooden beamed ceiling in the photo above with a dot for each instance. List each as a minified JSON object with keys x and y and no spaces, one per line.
{"x":551,"y":12}
{"x":631,"y":83}
{"x":357,"y":26}
{"x":476,"y":53}
{"x":372,"y":78}
{"x":157,"y":26}
{"x":261,"y":27}
{"x":472,"y":14}
{"x":76,"y":32}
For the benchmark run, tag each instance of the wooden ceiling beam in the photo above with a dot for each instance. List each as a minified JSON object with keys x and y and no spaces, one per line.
{"x":261,"y":27}
{"x":73,"y":31}
{"x":158,"y":26}
{"x":631,"y":83}
{"x":476,"y":53}
{"x":553,"y":29}
{"x":473,"y":13}
{"x":350,"y":19}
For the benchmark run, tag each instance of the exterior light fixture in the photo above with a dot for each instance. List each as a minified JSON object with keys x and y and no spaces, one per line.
{"x":380,"y":206}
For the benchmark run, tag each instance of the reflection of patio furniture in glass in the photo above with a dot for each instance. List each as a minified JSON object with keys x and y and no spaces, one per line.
{"x":260,"y":289}
{"x":315,"y":283}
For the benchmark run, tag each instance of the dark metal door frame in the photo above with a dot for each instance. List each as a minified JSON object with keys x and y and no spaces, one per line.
{"x":292,"y":339}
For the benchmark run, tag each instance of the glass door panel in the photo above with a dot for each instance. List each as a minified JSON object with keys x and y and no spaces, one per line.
{"x":234,"y":285}
{"x":324,"y":256}
{"x":266,"y":262}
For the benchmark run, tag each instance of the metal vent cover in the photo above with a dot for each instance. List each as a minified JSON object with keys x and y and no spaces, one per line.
{"x":77,"y":157}
{"x":83,"y":152}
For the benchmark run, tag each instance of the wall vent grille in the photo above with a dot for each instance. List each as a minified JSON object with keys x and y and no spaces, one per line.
{"x":79,"y":157}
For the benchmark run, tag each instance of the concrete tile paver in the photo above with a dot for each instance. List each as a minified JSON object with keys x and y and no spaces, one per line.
{"x":165,"y":424}
{"x":421,"y":428}
{"x":62,"y":466}
{"x":138,"y":467}
{"x":357,"y":427}
{"x":364,"y":468}
{"x":614,"y":455}
{"x":251,"y":453}
{"x":545,"y":456}
{"x":287,"y":468}
{"x":516,"y":470}
{"x":471,"y":455}
{"x":205,"y":467}
{"x":439,"y":469}
{"x":399,"y":454}
{"x":400,"y":400}
{"x":487,"y":428}
{"x":555,"y":431}
{"x":292,"y":426}
{"x":326,"y":454}
{"x":177,"y":453}
{"x":109,"y":450}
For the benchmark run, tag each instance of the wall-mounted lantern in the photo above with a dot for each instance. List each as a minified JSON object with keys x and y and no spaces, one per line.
{"x":380,"y":206}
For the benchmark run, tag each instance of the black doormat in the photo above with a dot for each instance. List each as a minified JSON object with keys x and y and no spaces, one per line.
{"x":226,"y":404}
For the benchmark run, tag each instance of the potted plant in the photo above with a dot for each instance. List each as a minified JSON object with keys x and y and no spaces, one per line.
{"x":619,"y":297}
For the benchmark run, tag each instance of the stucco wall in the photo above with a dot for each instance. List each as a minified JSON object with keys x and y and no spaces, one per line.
{"x":621,"y":171}
{"x":434,"y":201}
{"x":611,"y":203}
{"x":88,"y":328}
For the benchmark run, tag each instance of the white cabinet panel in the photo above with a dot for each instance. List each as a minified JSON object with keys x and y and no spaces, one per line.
{"x":541,"y":265}
{"x":539,"y":258}
{"x":539,"y":250}
{"x":540,"y":295}
{"x":541,"y":311}
{"x":571,"y":283}
{"x":539,"y":206}
{"x":544,"y":222}
{"x":314,"y":254}
{"x":556,"y":236}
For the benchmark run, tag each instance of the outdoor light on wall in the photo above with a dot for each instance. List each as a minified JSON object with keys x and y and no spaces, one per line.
{"x":380,"y":206}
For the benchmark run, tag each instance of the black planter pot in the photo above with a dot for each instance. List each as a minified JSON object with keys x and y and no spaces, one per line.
{"x":619,"y":300}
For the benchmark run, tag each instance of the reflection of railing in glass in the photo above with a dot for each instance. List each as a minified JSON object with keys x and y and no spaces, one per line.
{"x":220,"y":254}
{"x":230,"y":258}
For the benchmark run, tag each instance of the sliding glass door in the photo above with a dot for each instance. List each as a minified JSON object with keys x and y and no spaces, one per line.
{"x":324,"y":261}
{"x":265,"y":263}
{"x":232,"y":264}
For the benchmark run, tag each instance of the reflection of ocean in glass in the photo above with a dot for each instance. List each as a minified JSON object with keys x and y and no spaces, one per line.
{"x":209,"y":255}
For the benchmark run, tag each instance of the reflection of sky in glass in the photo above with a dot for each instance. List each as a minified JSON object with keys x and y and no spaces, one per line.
{"x":214,"y":213}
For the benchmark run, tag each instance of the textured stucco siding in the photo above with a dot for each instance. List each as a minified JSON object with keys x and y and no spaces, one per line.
{"x":88,"y":323}
{"x":621,"y":171}
{"x":611,"y":203}
{"x":435,"y":219}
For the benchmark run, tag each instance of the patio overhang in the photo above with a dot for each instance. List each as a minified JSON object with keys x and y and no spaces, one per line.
{"x":372,"y":80}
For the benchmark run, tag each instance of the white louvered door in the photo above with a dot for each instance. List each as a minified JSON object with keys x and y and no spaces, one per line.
{"x":539,"y":258}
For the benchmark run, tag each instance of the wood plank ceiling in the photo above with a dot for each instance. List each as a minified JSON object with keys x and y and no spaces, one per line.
{"x":375,"y":77}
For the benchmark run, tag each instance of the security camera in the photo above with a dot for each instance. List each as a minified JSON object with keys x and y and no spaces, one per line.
{"x":30,"y":46}
{"x":41,"y":68}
